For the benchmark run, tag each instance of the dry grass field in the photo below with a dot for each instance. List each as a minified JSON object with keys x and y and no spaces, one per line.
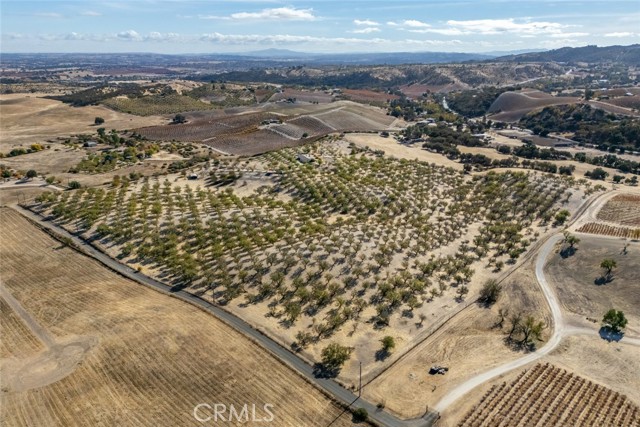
{"x":581,"y":291}
{"x":545,"y":395}
{"x":27,"y":119}
{"x":468,"y":344}
{"x":151,"y":358}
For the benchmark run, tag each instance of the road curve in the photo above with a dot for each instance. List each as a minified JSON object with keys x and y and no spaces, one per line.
{"x":554,"y":340}
{"x":329,"y":386}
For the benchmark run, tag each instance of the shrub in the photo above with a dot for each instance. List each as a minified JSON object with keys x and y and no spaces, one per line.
{"x":360,"y":415}
{"x":74,"y":185}
{"x":490,"y":292}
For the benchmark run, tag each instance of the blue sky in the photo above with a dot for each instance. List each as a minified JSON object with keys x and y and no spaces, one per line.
{"x":184,"y":26}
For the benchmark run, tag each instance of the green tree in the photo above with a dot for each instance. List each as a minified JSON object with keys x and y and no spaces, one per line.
{"x":614,"y":320}
{"x":334,"y":356}
{"x":571,"y":240}
{"x":179,"y":118}
{"x":360,"y":415}
{"x":531,"y":330}
{"x":31,"y":173}
{"x":608,"y":264}
{"x":562,"y":216}
{"x":98,"y":121}
{"x":490,"y":292}
{"x":74,"y":185}
{"x":388,"y":344}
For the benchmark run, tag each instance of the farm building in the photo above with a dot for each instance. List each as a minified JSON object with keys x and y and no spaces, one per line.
{"x":305,"y":158}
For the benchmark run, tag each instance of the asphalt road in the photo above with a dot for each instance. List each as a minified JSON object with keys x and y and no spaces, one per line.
{"x":330,"y":386}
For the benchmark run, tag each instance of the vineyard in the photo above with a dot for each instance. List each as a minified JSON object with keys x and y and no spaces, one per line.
{"x":369,"y":96}
{"x":204,"y":127}
{"x":355,"y":239}
{"x":610,"y":230}
{"x":549,"y":396}
{"x":622,"y":209}
{"x":252,"y":143}
{"x":342,"y":119}
{"x":156,"y":104}
{"x":302,"y":96}
{"x":311,"y":125}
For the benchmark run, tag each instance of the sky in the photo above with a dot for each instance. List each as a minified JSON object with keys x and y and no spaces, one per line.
{"x":184,"y":26}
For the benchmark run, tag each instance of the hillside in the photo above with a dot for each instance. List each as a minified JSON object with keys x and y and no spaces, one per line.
{"x":628,"y":55}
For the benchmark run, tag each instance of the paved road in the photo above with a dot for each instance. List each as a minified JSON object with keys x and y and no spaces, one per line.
{"x":560,"y":328}
{"x":328,"y":385}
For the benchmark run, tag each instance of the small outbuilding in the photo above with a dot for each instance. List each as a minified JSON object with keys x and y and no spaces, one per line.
{"x":305,"y":158}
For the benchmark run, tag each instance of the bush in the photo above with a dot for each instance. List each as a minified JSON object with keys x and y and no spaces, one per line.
{"x":74,"y":185}
{"x":31,"y":173}
{"x":490,"y":292}
{"x":98,"y":121}
{"x":360,"y":415}
{"x":597,"y":173}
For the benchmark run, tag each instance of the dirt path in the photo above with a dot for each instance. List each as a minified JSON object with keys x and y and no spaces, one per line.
{"x":37,"y":330}
{"x":58,"y":360}
{"x":560,"y":328}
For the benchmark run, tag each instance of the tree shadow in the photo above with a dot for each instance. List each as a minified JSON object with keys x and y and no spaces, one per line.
{"x":322,"y":371}
{"x":609,"y":334}
{"x":568,"y":252}
{"x":381,"y":355}
{"x":603,"y":280}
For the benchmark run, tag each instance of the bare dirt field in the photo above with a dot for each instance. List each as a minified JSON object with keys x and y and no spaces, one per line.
{"x":580,"y":286}
{"x":468,"y":344}
{"x":151,"y":360}
{"x":302,"y":96}
{"x":393,"y":148}
{"x":369,"y":96}
{"x":27,"y":119}
{"x":547,"y":395}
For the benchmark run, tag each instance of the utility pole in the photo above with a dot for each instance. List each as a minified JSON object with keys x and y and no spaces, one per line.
{"x":360,"y":388}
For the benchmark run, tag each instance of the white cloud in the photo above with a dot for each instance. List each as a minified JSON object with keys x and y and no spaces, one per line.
{"x":564,"y":35}
{"x":411,"y":23}
{"x":130,"y":35}
{"x":367,"y":30}
{"x":509,"y":26}
{"x":442,"y":31}
{"x":620,"y":34}
{"x":366,"y":22}
{"x":48,"y":15}
{"x":275,"y":14}
{"x":90,"y":13}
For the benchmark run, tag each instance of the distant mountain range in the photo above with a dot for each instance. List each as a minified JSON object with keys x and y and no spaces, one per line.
{"x":629,"y":55}
{"x":373,"y":58}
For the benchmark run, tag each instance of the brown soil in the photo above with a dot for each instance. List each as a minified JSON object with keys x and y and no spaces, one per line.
{"x":155,"y":358}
